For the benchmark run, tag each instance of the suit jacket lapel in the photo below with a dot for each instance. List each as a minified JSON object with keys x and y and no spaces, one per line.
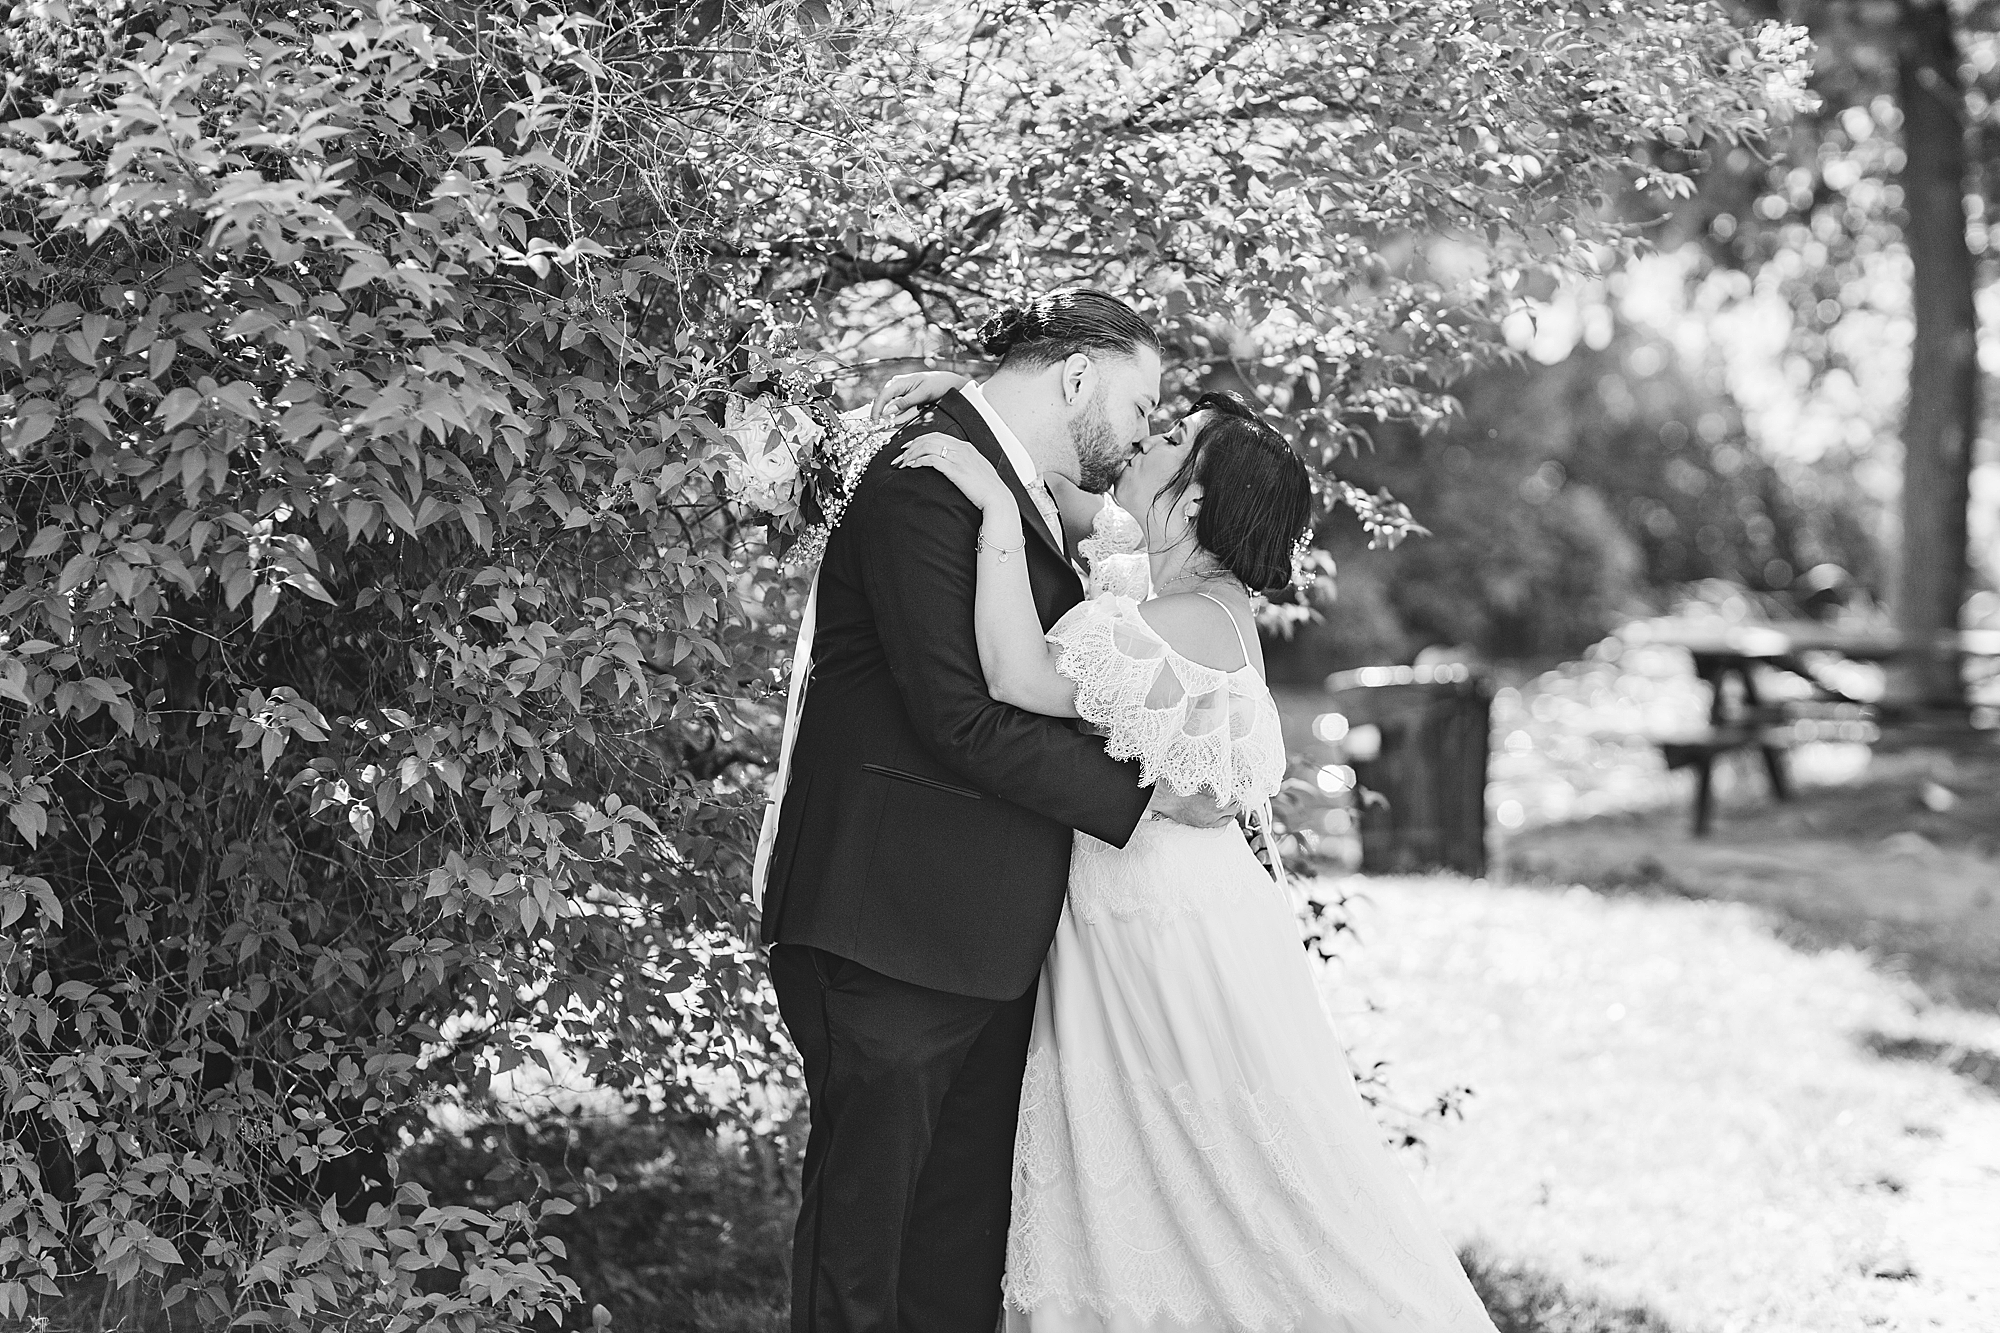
{"x":980,"y":435}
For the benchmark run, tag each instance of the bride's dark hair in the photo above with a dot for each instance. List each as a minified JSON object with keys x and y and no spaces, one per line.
{"x":1050,"y":328}
{"x":1256,"y":496}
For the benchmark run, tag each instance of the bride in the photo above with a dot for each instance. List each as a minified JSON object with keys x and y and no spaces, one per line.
{"x":1192,"y":1154}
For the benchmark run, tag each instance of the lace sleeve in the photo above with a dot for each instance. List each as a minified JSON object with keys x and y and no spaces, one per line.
{"x":1188,"y":725}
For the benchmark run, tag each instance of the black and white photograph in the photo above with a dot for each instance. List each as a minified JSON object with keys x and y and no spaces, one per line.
{"x":1028,"y":666}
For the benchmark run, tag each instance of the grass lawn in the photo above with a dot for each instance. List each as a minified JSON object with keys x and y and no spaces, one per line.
{"x":1747,"y":1082}
{"x":1681,"y":1121}
{"x":1903,"y":864}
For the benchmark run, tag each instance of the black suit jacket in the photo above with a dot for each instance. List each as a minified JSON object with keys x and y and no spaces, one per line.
{"x":925,"y":832}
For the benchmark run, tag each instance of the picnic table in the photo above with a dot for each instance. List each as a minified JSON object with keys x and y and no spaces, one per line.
{"x":1722,"y":650}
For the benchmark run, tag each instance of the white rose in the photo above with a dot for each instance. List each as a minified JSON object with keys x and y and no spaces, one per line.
{"x":769,"y":441}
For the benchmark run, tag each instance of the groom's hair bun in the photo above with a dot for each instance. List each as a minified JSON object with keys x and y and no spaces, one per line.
{"x":1256,"y":495}
{"x":1060,"y":324}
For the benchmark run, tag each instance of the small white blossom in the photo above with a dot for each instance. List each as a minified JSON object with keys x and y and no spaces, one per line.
{"x":770,"y":443}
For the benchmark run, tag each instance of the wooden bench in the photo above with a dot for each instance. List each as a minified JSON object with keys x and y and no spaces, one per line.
{"x":1699,"y":750}
{"x":1722,"y":650}
{"x":1773,"y":729}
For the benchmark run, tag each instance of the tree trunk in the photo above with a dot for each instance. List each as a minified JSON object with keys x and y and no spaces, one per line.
{"x":1942,"y":416}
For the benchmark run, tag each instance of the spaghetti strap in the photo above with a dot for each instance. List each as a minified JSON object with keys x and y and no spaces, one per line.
{"x":1242,"y":644}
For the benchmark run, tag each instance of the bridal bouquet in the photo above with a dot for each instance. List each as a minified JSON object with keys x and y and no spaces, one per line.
{"x":794,"y":459}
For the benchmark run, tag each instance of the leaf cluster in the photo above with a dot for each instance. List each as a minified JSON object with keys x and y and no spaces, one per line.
{"x":375,"y":642}
{"x":1330,"y":205}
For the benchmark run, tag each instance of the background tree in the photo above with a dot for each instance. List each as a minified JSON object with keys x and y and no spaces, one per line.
{"x":1889,"y":171}
{"x":1566,"y":498}
{"x":1271,"y":182}
{"x":1942,"y":421}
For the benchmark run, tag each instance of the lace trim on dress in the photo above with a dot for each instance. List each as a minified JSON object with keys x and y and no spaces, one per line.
{"x":1248,"y":1247}
{"x":1188,"y":725}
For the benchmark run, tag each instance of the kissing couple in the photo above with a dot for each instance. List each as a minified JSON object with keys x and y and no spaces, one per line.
{"x":1067,"y":1066}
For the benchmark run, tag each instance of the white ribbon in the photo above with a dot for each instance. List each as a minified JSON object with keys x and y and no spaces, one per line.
{"x":767,"y":836}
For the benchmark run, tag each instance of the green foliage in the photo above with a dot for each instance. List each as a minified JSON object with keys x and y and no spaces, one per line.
{"x":1333,"y":202}
{"x":1567,"y":498}
{"x":691,"y":1231}
{"x":1820,"y":221}
{"x":370,"y":621}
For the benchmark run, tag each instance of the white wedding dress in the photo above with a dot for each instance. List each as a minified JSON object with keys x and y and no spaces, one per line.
{"x":1193,"y":1155}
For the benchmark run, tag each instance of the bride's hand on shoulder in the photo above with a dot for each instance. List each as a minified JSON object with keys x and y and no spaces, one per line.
{"x":902,"y":396}
{"x":963,"y":465}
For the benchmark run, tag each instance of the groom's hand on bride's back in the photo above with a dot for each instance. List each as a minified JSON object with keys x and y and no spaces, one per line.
{"x":1200,"y":810}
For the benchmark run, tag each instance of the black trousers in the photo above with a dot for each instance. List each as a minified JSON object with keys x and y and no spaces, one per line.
{"x":914,"y":1095}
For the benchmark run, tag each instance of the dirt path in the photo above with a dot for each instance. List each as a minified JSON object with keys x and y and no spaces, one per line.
{"x":1675,"y":1109}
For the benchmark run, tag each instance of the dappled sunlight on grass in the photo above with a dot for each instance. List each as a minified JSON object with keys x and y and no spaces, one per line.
{"x":1903,"y":864}
{"x":1673,"y":1109}
{"x":1522,"y":1299}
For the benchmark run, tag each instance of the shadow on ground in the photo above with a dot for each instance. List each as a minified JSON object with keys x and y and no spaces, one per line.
{"x":1903,"y":866}
{"x":1981,"y":1068}
{"x":1522,"y":1299}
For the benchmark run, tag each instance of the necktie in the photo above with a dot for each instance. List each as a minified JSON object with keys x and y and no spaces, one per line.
{"x":1045,"y":505}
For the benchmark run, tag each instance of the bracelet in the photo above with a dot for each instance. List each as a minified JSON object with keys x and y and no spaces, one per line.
{"x":1004,"y":551}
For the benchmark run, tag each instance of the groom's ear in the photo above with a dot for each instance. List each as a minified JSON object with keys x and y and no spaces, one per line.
{"x":1078,"y":379}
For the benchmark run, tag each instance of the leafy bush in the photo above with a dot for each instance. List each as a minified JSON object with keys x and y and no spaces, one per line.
{"x":679,"y":1228}
{"x":368,"y":629}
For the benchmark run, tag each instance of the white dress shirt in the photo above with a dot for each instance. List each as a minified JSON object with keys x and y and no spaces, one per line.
{"x":1017,"y":454}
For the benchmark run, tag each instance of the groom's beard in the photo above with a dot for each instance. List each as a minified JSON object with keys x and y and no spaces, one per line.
{"x":1100,"y":456}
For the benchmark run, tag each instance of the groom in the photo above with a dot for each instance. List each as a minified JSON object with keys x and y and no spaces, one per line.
{"x":923,"y":841}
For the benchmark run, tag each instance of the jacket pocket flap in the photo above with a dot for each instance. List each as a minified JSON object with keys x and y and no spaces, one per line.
{"x":900,"y":776}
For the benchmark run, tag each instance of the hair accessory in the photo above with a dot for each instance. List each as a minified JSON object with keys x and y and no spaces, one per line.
{"x":1302,"y":571}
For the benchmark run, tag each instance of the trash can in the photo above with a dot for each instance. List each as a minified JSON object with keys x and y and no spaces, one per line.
{"x":1417,"y":738}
